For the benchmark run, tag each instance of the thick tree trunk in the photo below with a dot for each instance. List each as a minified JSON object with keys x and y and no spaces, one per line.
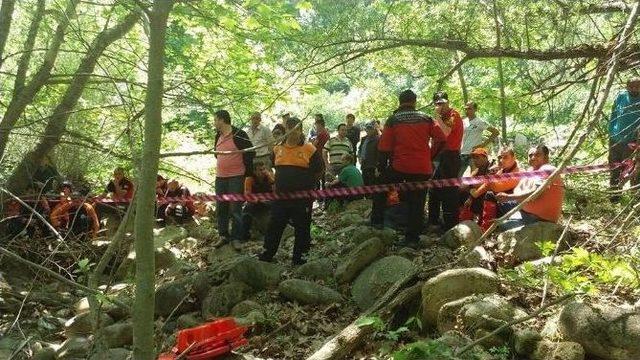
{"x":23,"y":63}
{"x":6,"y":12}
{"x":143,"y":314}
{"x":56,"y":126}
{"x":503,"y":106}
{"x":19,"y":103}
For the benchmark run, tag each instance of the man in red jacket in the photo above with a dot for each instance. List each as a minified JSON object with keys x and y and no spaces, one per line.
{"x":405,"y":156}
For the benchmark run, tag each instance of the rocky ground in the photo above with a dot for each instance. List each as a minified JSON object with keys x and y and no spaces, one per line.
{"x":291,"y":312}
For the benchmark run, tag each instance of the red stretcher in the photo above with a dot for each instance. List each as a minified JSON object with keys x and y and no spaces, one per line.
{"x":209,"y":341}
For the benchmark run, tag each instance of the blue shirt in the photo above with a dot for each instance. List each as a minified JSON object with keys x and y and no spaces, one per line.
{"x":625,"y":118}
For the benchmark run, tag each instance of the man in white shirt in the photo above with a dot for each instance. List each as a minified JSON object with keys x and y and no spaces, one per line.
{"x":474,"y":127}
{"x":261,"y":136}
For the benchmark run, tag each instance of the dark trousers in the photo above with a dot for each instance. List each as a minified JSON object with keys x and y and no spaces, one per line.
{"x":445,"y":198}
{"x":476,"y":203}
{"x":229,"y":210}
{"x":617,"y":152}
{"x":299,"y":212}
{"x":369,"y":176}
{"x":250,"y":211}
{"x":415,"y":203}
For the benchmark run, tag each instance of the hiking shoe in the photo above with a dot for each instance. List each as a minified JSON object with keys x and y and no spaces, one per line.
{"x":265,"y":258}
{"x":298,"y":262}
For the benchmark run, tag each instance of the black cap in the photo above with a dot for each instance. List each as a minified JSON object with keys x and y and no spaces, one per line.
{"x":440,"y":97}
{"x":407,"y":96}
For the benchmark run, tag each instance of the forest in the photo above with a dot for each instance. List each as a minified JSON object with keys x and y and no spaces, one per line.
{"x":93,"y":91}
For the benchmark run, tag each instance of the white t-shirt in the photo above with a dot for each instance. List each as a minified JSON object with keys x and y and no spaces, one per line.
{"x":472,"y":135}
{"x":262,"y":135}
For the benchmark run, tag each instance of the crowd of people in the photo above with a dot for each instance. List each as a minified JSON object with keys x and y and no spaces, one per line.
{"x":412,"y":146}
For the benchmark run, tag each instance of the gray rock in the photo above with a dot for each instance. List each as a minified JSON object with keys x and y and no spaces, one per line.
{"x":254,"y":317}
{"x":113,"y":354}
{"x":80,"y":325}
{"x":308,"y":292}
{"x":168,"y":235}
{"x":454,"y":284}
{"x":438,"y":255}
{"x":74,"y":348}
{"x":358,"y":258}
{"x":607,"y":332}
{"x":489,"y":312}
{"x":257,"y":274}
{"x":523,"y":243}
{"x":526,"y":341}
{"x":320,"y":269}
{"x":376,"y":279}
{"x":456,"y":340}
{"x":170,"y":296}
{"x":449,"y":313}
{"x":477,"y":257}
{"x":465,"y":233}
{"x":222,"y":254}
{"x":164,"y":259}
{"x":566,"y":350}
{"x":189,"y":320}
{"x":349,"y":218}
{"x":363,"y":233}
{"x":117,"y":335}
{"x":46,"y":353}
{"x":202,"y":282}
{"x":245,"y":307}
{"x":114,"y":311}
{"x":221,"y":299}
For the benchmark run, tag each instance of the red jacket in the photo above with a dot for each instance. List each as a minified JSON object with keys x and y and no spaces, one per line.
{"x":405,"y":140}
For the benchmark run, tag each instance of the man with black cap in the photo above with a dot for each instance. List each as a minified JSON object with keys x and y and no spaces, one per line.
{"x":450,"y":122}
{"x":405,"y":156}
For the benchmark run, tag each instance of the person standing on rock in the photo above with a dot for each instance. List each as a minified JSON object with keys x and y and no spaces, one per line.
{"x":405,"y":156}
{"x":298,"y":166}
{"x":446,"y":198}
{"x":623,"y":127}
{"x":231,"y":168}
{"x":474,"y":128}
{"x":262,"y":138}
{"x":368,"y":154}
{"x":545,"y":207}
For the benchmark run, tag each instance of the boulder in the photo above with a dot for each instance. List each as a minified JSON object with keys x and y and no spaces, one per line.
{"x":114,"y":311}
{"x":189,"y":320}
{"x":45,"y":353}
{"x":117,"y":335}
{"x":222,"y":254}
{"x":526,"y":341}
{"x":607,"y":332}
{"x":350,"y":218}
{"x":320,"y":269}
{"x":565,"y":350}
{"x":202,"y":282}
{"x":245,"y":307}
{"x":448,"y":313}
{"x":465,"y":234}
{"x":358,"y":258}
{"x":363,"y":233}
{"x":113,"y":354}
{"x":454,"y":284}
{"x":308,"y":292}
{"x":80,"y":325}
{"x":456,"y":340}
{"x":376,"y":279}
{"x":253,"y":317}
{"x":168,"y":235}
{"x":221,"y":299}
{"x":489,"y":312}
{"x":172,"y":296}
{"x":477,"y":257}
{"x":437,"y":255}
{"x":74,"y":348}
{"x":523,"y":243}
{"x":164,"y":259}
{"x":255,"y":273}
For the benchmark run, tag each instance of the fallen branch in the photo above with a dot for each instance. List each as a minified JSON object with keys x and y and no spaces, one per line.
{"x":516,"y":321}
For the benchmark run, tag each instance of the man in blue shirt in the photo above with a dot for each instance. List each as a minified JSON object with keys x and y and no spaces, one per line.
{"x":623,"y":129}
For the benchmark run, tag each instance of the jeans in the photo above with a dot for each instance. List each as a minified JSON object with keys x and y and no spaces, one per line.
{"x":299,"y":212}
{"x":445,"y":198}
{"x":229,"y":210}
{"x":415,"y":202}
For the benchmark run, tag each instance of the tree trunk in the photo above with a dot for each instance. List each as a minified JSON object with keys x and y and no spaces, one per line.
{"x":19,"y":103}
{"x":6,"y":13}
{"x":144,"y":306}
{"x":503,"y":108}
{"x":463,"y":83}
{"x":23,"y":63}
{"x":57,"y":124}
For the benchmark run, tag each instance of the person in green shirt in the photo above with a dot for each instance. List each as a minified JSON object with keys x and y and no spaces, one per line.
{"x":623,"y":127}
{"x":349,"y":176}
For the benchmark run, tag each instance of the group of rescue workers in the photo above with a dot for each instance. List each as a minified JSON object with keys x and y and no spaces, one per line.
{"x":411,"y":147}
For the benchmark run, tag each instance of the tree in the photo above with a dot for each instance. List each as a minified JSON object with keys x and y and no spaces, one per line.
{"x":144,"y":307}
